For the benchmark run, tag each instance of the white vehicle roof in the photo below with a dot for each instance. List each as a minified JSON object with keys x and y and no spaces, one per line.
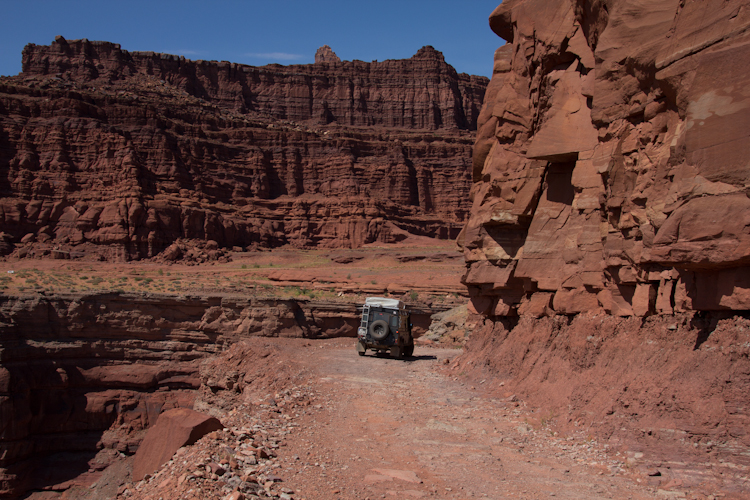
{"x":384,"y":302}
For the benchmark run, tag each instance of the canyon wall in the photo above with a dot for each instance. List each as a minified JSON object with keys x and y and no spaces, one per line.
{"x":608,"y":246}
{"x":612,"y":165}
{"x":423,"y":92}
{"x":117,"y":155}
{"x":82,"y":373}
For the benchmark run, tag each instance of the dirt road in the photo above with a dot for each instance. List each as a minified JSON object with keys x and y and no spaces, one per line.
{"x":384,"y":428}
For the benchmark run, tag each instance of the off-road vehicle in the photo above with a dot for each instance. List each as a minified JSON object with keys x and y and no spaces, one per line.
{"x":385,"y":326}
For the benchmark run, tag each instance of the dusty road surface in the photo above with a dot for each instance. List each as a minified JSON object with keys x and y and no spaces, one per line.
{"x":384,"y":428}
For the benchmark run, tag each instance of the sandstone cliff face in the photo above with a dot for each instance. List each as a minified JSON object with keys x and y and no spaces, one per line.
{"x":608,"y":247}
{"x":418,"y":93}
{"x":611,"y":166}
{"x":119,"y":154}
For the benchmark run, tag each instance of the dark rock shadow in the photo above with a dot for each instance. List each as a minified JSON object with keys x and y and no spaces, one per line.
{"x":705,"y":323}
{"x":409,"y":359}
{"x":704,"y":326}
{"x":56,"y":471}
{"x":423,"y":357}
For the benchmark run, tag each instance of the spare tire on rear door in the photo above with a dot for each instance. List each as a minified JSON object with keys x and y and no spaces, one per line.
{"x":379,"y":329}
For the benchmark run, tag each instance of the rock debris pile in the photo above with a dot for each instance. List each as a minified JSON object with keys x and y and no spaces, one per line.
{"x":260,"y":412}
{"x":235,"y":463}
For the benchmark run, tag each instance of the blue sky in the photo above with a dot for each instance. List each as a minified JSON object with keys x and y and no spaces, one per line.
{"x":260,"y":32}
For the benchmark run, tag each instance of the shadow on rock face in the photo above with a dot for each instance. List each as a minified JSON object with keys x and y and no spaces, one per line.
{"x":49,"y":436}
{"x":705,"y":323}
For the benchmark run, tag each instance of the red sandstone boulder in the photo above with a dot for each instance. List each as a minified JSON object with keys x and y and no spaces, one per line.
{"x":174,"y":429}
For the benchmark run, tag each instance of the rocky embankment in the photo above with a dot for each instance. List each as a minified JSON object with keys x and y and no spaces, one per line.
{"x":608,"y":244}
{"x":117,"y":155}
{"x":671,"y":387}
{"x":82,"y":373}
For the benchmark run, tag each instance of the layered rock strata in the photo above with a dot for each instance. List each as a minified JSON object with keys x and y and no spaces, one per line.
{"x":611,"y":167}
{"x":423,"y":92}
{"x":119,"y":154}
{"x":80,"y":373}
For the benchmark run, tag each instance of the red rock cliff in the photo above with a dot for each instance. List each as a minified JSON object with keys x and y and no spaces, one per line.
{"x":611,"y":168}
{"x":119,"y":154}
{"x":608,"y":247}
{"x":423,"y":92}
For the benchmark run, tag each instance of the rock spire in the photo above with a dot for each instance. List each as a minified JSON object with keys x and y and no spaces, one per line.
{"x":326,"y":55}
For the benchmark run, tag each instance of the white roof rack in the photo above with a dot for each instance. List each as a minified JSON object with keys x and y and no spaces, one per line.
{"x":384,"y":302}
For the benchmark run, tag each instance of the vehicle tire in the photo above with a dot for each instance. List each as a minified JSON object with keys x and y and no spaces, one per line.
{"x":409,"y":350}
{"x":379,"y":330}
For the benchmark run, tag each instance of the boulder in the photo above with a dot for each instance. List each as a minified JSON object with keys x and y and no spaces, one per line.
{"x":173,"y":430}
